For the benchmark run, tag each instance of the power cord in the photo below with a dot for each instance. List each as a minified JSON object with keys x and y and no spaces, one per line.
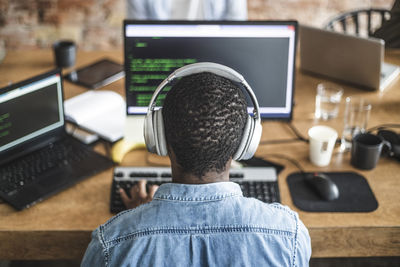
{"x":291,"y":160}
{"x":383,"y":126}
{"x":279,"y":141}
{"x":297,"y":133}
{"x":299,"y":137}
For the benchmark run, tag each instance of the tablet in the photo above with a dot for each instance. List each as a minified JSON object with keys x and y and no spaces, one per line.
{"x":97,"y":74}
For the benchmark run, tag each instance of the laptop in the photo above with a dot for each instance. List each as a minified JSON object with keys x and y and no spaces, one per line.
{"x":37,"y":157}
{"x":346,"y":58}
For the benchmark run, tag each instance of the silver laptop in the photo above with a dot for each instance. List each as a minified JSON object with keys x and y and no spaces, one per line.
{"x":347,"y":58}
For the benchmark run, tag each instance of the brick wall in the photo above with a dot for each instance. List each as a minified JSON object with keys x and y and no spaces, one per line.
{"x":96,"y":24}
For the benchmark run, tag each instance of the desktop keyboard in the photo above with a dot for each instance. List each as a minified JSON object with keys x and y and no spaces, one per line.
{"x":256,"y":182}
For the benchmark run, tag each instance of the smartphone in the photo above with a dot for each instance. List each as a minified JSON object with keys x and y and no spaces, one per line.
{"x":97,"y":74}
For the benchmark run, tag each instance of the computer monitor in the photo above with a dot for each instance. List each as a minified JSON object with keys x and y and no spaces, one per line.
{"x":264,"y":52}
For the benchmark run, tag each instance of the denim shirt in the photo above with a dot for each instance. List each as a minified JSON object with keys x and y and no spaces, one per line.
{"x":201,"y":225}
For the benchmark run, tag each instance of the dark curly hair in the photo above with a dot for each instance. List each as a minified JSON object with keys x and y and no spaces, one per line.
{"x":204,"y":117}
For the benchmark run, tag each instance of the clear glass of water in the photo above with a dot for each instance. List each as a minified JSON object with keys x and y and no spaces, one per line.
{"x":327,"y":101}
{"x":356,"y":116}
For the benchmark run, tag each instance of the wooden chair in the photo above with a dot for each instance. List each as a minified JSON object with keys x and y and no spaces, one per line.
{"x":361,"y":22}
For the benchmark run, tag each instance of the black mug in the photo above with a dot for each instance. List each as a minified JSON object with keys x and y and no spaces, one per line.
{"x":365,"y":150}
{"x":64,"y":53}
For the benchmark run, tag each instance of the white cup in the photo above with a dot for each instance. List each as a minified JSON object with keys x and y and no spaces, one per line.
{"x":322,"y":142}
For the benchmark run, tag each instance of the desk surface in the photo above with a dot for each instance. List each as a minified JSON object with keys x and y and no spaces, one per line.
{"x":60,"y":227}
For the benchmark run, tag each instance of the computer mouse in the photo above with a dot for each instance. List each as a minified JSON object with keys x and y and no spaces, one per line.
{"x":323,"y":185}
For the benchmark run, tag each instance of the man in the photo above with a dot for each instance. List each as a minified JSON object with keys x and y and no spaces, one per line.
{"x":187,"y":9}
{"x":200,"y":219}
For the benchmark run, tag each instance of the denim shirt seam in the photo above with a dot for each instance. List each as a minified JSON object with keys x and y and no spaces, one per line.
{"x":295,"y":217}
{"x":197,"y":199}
{"x":295,"y":240}
{"x":282,"y":208}
{"x":200,"y":230}
{"x":103,"y":244}
{"x":124,"y":212}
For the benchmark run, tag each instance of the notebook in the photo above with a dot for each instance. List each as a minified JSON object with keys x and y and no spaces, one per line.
{"x":37,"y":157}
{"x":100,"y":112}
{"x":347,"y":58}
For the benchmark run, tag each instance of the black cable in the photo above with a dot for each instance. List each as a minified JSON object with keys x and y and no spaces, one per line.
{"x":281,"y":141}
{"x":299,"y":138}
{"x":383,"y":126}
{"x":291,"y":160}
{"x":296,"y":132}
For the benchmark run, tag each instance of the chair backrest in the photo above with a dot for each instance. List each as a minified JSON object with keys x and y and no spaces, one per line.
{"x":361,"y":22}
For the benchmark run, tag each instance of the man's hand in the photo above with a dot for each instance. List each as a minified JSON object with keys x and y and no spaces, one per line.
{"x":139,"y":195}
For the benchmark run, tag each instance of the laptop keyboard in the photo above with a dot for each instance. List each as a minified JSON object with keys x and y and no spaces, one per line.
{"x":265,"y":189}
{"x":25,"y":170}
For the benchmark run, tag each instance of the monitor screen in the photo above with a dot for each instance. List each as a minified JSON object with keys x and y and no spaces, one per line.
{"x":263,"y":52}
{"x":30,"y":110}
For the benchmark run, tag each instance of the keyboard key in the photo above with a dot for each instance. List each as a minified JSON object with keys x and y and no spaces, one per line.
{"x":25,"y":170}
{"x":119,"y":174}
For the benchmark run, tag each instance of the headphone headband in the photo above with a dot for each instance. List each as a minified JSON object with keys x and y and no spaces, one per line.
{"x":214,"y":68}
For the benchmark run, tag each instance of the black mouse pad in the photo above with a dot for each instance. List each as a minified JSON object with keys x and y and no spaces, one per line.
{"x":355,"y":195}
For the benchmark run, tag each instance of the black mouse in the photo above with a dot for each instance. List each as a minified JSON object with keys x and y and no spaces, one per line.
{"x":323,"y":185}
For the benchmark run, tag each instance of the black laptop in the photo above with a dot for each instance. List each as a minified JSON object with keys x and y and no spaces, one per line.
{"x":37,"y":157}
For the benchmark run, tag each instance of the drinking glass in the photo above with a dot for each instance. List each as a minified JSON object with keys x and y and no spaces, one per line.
{"x":327,"y":101}
{"x":356,"y":116}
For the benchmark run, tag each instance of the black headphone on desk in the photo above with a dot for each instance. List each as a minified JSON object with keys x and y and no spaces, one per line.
{"x":394,"y":139}
{"x":154,"y":134}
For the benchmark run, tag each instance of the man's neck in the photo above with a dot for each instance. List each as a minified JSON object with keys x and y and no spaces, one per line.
{"x":210,"y":177}
{"x":179,"y":176}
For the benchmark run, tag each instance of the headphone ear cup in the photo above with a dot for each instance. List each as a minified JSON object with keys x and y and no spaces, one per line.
{"x":254,"y":140}
{"x":250,"y":140}
{"x":159,"y":133}
{"x":148,"y":133}
{"x":242,"y":145}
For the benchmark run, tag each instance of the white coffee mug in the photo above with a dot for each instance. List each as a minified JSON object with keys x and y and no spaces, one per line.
{"x":322,"y":142}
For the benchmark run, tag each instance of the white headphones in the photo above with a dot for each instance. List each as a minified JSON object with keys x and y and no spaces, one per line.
{"x":154,"y":134}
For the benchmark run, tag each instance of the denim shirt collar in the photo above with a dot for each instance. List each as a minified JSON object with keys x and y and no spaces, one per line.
{"x":197,"y":192}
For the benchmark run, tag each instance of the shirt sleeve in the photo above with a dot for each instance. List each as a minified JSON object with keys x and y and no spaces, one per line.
{"x":303,"y":246}
{"x":94,"y":255}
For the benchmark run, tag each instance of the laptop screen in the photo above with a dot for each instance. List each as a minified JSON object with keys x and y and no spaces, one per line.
{"x":28,"y":110}
{"x":263,"y":52}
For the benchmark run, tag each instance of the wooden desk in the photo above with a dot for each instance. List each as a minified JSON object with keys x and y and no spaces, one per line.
{"x":60,"y":227}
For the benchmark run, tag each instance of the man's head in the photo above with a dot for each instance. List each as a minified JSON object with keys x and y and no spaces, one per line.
{"x":204,"y":117}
